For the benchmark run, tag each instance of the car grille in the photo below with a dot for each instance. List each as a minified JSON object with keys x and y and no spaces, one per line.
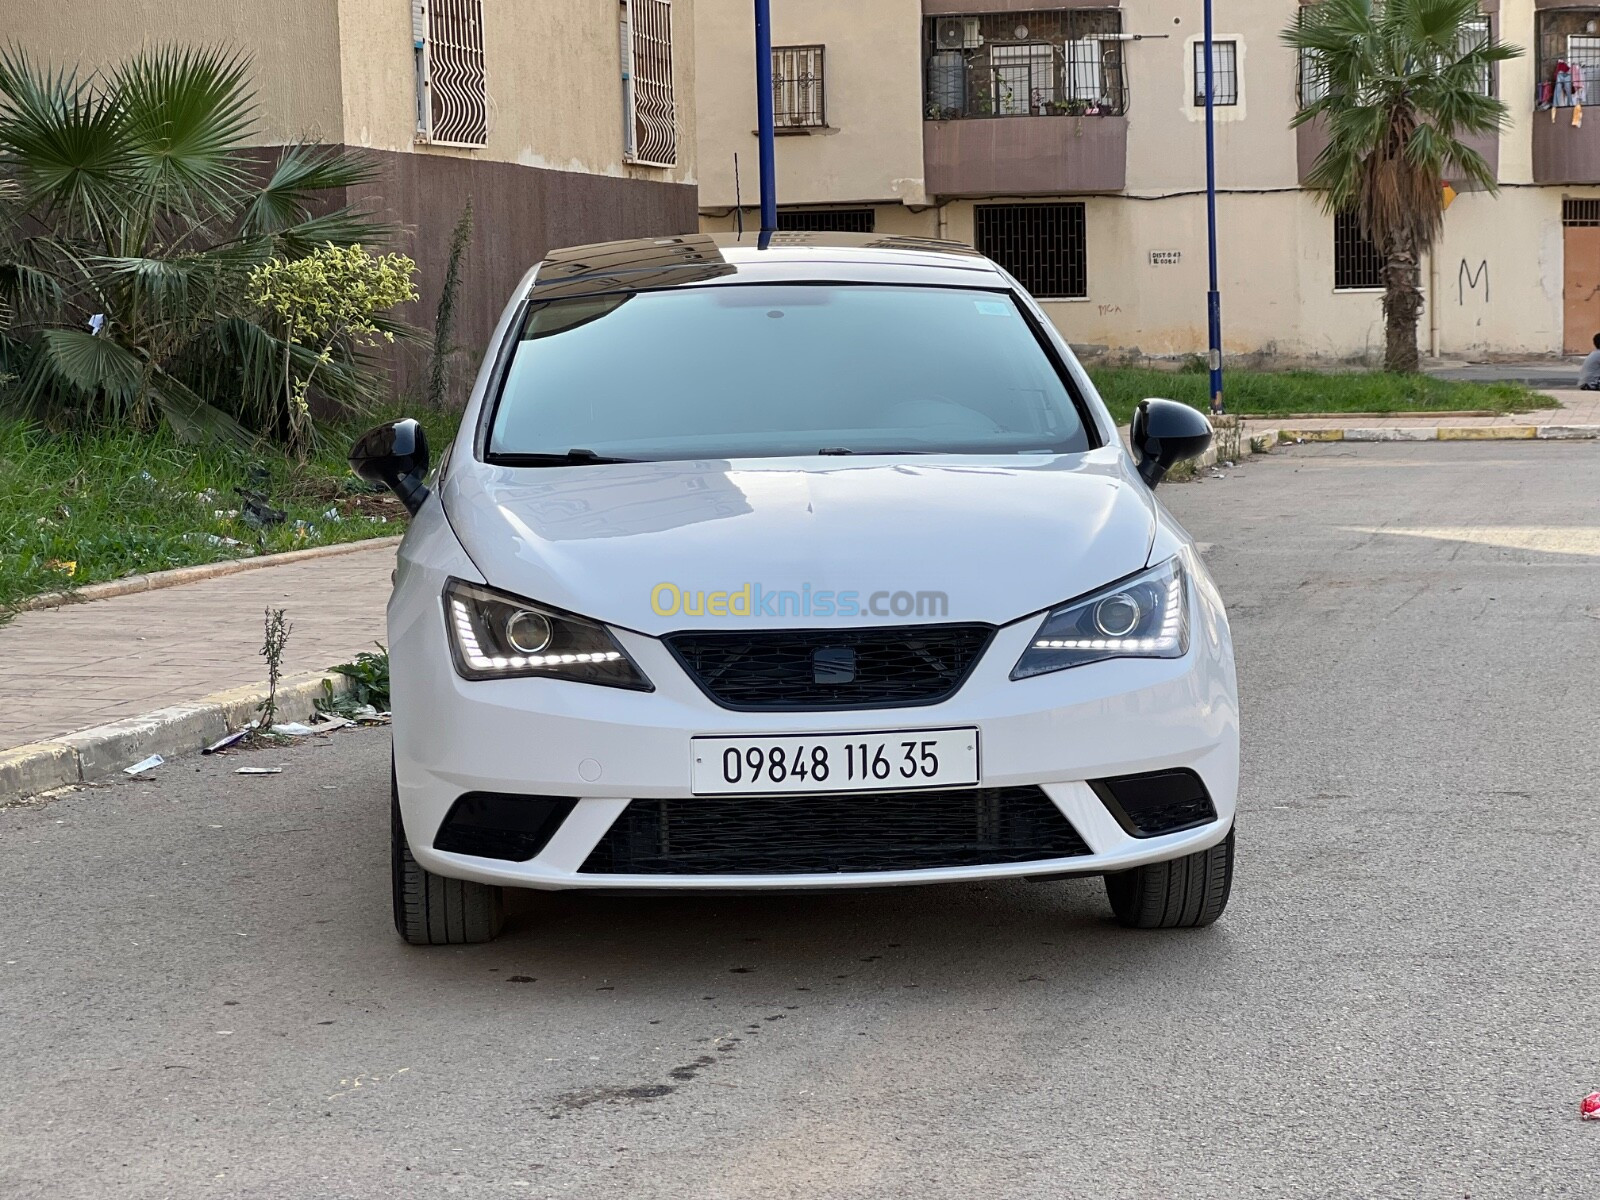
{"x":804,"y":834}
{"x":764,"y":670}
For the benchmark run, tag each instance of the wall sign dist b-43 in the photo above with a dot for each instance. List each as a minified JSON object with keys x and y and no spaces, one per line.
{"x":1165,"y":258}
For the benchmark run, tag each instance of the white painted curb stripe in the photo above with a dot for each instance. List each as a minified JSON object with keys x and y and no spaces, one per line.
{"x":182,"y":729}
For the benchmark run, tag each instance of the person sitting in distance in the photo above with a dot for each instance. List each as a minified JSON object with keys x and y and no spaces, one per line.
{"x":1589,"y":373}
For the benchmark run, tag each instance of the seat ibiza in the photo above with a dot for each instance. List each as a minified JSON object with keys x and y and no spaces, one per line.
{"x":795,"y":561}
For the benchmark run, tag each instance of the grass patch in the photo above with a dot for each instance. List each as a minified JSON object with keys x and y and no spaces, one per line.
{"x":77,"y":510}
{"x":1271,"y":393}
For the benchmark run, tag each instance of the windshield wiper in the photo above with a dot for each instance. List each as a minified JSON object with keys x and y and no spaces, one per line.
{"x":847,"y":450}
{"x":572,"y":458}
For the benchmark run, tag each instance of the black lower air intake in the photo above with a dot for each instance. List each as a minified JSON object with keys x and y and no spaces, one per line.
{"x":1156,"y":803}
{"x":497,"y":825}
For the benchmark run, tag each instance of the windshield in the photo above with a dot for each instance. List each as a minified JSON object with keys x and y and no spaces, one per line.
{"x":776,"y":370}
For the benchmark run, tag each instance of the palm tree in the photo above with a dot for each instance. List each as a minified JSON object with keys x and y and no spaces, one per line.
{"x":131,"y":216}
{"x":1398,"y":85}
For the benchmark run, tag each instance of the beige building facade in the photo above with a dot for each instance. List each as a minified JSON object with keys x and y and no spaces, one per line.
{"x":563,"y":121}
{"x":1067,"y":141}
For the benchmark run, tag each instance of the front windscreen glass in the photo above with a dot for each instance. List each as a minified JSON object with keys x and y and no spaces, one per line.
{"x":764,"y":371}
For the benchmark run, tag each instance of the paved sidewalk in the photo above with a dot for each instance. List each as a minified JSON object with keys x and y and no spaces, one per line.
{"x":82,"y":665}
{"x":1575,"y":409}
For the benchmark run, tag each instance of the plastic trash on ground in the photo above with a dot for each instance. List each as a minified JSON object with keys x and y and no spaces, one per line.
{"x":143,"y":765}
{"x":259,"y":771}
{"x":223,"y":743}
{"x":1589,"y":1107}
{"x":292,"y":729}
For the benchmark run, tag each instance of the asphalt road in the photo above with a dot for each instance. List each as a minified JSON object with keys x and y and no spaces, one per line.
{"x":201,"y":995}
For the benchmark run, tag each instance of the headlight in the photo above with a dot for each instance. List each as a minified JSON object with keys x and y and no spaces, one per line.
{"x":496,"y":636}
{"x":1143,"y":617}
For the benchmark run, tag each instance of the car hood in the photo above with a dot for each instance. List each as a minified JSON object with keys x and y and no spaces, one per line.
{"x":1000,"y":540}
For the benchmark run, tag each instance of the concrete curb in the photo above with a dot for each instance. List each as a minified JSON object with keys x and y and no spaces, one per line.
{"x":1442,"y":433}
{"x":97,"y":753}
{"x":156,"y":580}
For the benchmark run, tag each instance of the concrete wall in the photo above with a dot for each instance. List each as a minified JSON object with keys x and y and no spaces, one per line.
{"x":294,"y":44}
{"x":554,"y":80}
{"x":872,"y":149}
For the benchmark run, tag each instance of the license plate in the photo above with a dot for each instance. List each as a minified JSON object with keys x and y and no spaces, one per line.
{"x":835,"y":762}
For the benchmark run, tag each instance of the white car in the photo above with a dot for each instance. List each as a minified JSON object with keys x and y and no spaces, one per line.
{"x":798,"y":561}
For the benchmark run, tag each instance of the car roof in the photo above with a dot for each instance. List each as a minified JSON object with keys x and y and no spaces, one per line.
{"x":700,"y":259}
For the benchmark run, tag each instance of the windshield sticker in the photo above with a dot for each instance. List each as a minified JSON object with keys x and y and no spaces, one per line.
{"x":992,"y":308}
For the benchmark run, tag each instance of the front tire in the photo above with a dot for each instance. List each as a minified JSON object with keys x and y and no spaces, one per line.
{"x":432,"y":910}
{"x":1182,"y":893}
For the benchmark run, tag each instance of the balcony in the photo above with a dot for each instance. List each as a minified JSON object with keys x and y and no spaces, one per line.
{"x":1043,"y":156}
{"x":1567,"y":37}
{"x":1025,"y":103}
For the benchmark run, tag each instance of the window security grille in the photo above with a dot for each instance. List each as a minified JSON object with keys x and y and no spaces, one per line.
{"x":1578,"y":213}
{"x":1224,"y":72}
{"x":1028,"y":63}
{"x":1313,"y":79}
{"x":830,"y":220}
{"x":1565,"y":35}
{"x":1357,"y":264}
{"x":452,"y":100}
{"x":1584,"y":52}
{"x":1043,"y":245}
{"x":650,"y":133}
{"x":797,"y":88}
{"x":1473,"y":35}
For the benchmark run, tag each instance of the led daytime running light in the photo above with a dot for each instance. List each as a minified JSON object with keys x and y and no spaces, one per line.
{"x":479,"y":661}
{"x":1165,"y":640}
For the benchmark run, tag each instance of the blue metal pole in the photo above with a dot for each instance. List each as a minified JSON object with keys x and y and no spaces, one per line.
{"x":1213,"y":297}
{"x":764,"y":123}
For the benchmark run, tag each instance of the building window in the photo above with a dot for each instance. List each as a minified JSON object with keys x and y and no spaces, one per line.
{"x":1043,"y":245}
{"x":828,"y":220}
{"x":650,"y":128}
{"x":447,"y":52}
{"x":1578,"y":214}
{"x":1357,"y":265}
{"x":1313,"y":78}
{"x":1473,"y":35}
{"x":797,"y":87}
{"x":1064,"y":62}
{"x":1224,"y":72}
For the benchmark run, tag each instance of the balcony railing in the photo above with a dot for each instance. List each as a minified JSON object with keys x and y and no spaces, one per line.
{"x":1026,"y":64}
{"x":1566,"y":149}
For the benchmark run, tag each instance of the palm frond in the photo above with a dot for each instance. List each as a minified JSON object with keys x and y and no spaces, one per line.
{"x":65,"y":145}
{"x":342,"y":227}
{"x":191,"y":418}
{"x":74,"y":370}
{"x":28,"y":293}
{"x":188,"y":113}
{"x":303,"y":176}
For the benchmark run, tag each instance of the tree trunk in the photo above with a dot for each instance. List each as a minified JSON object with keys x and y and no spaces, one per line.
{"x":1402,"y":305}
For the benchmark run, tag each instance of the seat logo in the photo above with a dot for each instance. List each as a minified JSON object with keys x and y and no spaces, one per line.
{"x":833,"y":664}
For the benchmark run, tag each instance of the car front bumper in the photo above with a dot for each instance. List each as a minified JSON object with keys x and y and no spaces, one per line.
{"x":605,"y":746}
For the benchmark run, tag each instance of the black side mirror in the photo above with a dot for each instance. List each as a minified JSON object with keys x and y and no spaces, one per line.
{"x":1166,"y":433}
{"x":394,"y":454}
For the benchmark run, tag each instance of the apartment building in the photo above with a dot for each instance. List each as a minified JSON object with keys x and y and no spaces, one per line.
{"x":563,"y":121}
{"x":1066,"y":140}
